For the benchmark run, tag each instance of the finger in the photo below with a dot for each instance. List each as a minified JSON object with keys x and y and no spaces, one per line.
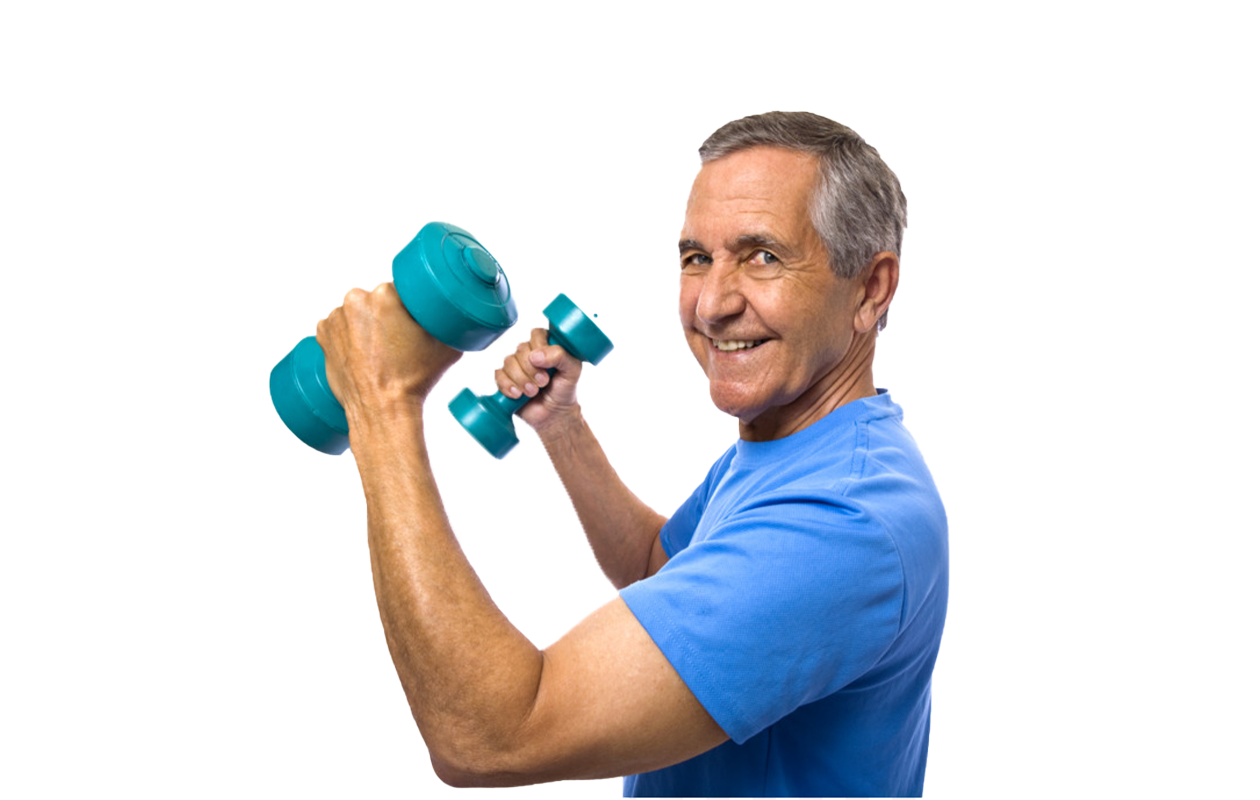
{"x":517,"y":374}
{"x":326,"y":328}
{"x":538,"y":338}
{"x":512,"y":382}
{"x":537,"y":341}
{"x":555,"y":357}
{"x":506,"y":385}
{"x":385,"y":295}
{"x":354,"y":297}
{"x":544,"y":356}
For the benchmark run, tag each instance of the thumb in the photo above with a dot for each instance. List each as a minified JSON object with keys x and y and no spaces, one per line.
{"x":555,"y":357}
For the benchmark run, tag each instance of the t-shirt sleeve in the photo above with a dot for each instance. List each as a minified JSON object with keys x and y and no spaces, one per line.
{"x":679,"y":528}
{"x":781,"y":604}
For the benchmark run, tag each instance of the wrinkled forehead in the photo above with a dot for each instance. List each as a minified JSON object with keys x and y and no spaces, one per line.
{"x":762,"y":186}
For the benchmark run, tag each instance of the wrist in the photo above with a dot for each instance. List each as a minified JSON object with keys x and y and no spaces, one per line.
{"x":396,"y":420}
{"x":561,"y":426}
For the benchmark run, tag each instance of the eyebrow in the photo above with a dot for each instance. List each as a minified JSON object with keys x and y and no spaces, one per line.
{"x":752,"y":241}
{"x":748,"y":241}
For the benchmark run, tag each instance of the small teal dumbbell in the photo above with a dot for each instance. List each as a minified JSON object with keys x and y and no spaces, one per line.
{"x":450,"y":285}
{"x":489,"y":417}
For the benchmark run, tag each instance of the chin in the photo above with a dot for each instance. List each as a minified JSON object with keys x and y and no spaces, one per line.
{"x":734,"y":402}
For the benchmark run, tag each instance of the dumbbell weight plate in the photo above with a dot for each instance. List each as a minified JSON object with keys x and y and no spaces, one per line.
{"x":449,"y":284}
{"x":454,"y":288}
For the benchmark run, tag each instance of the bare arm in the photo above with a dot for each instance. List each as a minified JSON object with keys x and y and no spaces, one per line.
{"x":448,"y":641}
{"x":622,"y":530}
{"x":492,"y":708}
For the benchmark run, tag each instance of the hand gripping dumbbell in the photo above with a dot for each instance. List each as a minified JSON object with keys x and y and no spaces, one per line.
{"x":449,"y":284}
{"x":489,"y":417}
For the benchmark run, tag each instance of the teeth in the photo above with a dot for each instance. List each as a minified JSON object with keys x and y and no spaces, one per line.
{"x":729,"y":345}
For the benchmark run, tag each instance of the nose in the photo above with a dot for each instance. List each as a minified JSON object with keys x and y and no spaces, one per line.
{"x":721,"y":297}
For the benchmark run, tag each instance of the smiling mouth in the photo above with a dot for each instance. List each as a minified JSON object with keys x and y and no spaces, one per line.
{"x":731,"y":345}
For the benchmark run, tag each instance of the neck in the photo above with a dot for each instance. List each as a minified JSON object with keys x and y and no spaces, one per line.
{"x":851,"y":379}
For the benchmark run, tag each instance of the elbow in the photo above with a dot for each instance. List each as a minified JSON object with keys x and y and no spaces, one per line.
{"x":478,"y":769}
{"x":463,"y":777}
{"x":458,"y":767}
{"x":496,"y":744}
{"x":453,"y":775}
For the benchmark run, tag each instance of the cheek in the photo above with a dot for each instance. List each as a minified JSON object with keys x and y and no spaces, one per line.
{"x":831,"y":339}
{"x":687,"y":296}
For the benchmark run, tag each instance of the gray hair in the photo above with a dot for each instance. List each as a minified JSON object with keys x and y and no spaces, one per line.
{"x":858,"y":209}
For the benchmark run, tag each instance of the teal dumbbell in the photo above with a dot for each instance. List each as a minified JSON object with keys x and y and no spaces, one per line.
{"x":489,"y":417}
{"x":449,"y":284}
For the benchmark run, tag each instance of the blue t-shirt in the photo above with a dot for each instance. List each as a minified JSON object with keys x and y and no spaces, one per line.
{"x":803,"y":604}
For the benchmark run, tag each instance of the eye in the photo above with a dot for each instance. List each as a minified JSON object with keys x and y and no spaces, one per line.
{"x":695,"y":259}
{"x":764,"y":257}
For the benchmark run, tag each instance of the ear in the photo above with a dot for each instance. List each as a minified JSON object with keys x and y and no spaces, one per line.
{"x":877,"y":285}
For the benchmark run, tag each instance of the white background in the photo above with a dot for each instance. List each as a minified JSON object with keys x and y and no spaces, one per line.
{"x":186,"y":599}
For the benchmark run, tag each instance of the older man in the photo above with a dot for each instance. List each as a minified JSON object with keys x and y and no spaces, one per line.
{"x":777,"y":635}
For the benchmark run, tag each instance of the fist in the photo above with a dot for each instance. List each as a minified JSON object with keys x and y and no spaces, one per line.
{"x":525,"y":373}
{"x":376,"y":355}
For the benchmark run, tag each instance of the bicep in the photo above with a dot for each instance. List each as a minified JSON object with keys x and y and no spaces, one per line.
{"x":609,"y":703}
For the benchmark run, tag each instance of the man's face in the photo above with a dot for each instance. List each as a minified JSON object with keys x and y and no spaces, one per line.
{"x":764,"y":314}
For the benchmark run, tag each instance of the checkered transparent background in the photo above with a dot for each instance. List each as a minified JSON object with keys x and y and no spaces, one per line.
{"x":586,"y":202}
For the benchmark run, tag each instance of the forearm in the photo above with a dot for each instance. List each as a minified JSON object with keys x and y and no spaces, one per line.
{"x":470,"y":677}
{"x":621,"y":528}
